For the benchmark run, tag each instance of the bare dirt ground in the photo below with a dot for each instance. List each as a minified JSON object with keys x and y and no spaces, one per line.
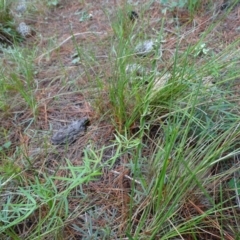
{"x":76,"y":87}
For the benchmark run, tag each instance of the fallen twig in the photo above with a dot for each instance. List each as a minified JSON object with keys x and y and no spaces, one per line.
{"x":126,"y":176}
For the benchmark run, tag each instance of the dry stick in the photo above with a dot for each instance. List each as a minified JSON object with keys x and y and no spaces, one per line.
{"x":74,"y":35}
{"x":126,"y":176}
{"x":175,"y":229}
{"x":45,"y":113}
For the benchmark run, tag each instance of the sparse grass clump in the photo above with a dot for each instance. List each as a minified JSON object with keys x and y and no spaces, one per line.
{"x":8,"y":29}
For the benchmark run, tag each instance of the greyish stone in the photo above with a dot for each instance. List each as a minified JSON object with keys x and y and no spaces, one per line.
{"x":24,"y":29}
{"x":135,"y":68}
{"x":148,"y":47}
{"x":71,"y":132}
{"x":21,"y":7}
{"x":144,"y":48}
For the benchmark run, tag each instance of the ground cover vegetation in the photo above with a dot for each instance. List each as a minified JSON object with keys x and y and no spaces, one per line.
{"x":159,"y":83}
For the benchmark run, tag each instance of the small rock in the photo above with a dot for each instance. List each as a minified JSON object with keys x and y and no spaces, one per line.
{"x":145,"y":48}
{"x":70,"y":133}
{"x":21,"y":7}
{"x":24,"y":30}
{"x":148,"y":47}
{"x":135,"y":68}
